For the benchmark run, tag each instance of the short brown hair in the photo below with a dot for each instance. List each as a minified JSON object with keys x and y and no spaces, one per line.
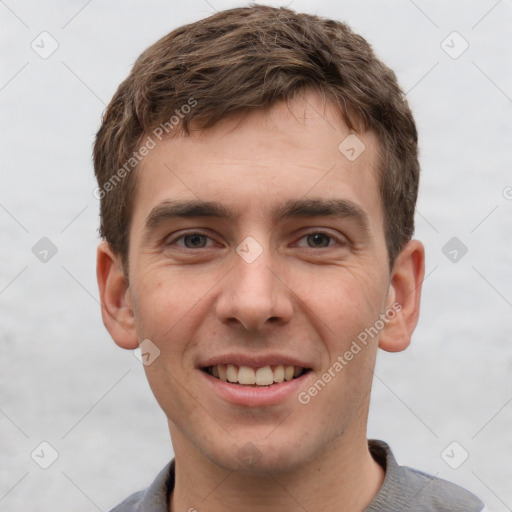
{"x":251,"y":58}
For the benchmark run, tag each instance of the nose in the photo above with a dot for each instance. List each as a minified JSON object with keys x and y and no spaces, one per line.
{"x":254,"y":295}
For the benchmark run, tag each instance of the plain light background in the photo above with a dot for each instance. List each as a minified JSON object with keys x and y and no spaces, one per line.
{"x":62,"y":379}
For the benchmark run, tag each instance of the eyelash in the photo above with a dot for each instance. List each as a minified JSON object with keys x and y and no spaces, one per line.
{"x":313,"y":232}
{"x":184,"y":235}
{"x":324,"y":233}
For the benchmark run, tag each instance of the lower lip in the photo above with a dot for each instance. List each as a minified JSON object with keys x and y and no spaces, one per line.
{"x":255,"y":396}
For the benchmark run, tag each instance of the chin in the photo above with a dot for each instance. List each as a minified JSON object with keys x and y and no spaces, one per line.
{"x":254,"y":458}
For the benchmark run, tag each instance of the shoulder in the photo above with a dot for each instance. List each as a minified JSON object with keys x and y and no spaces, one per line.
{"x":130,"y":504}
{"x":433,"y":493}
{"x":410,"y":490}
{"x":154,"y":498}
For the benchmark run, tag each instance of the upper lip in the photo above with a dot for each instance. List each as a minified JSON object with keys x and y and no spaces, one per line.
{"x":253,"y":361}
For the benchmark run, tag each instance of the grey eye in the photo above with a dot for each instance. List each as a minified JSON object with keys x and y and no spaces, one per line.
{"x":195,"y":241}
{"x":318,"y":240}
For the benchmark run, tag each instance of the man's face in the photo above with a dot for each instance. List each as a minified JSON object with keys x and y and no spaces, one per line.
{"x":288,"y":269}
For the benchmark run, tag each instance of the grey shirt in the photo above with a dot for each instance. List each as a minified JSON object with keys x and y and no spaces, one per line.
{"x":404,"y":490}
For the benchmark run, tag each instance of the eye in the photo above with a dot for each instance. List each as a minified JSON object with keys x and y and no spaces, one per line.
{"x":191,"y":240}
{"x":318,"y":240}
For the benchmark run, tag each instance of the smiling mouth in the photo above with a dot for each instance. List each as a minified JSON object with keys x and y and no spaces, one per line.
{"x":255,"y":377}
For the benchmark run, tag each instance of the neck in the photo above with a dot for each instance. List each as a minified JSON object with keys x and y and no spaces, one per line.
{"x":344,"y":478}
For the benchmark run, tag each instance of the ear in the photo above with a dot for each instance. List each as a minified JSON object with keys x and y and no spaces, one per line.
{"x":404,"y":297}
{"x":116,"y":304}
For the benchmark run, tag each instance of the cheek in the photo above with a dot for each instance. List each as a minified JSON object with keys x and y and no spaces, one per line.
{"x":170,"y":306}
{"x":161,"y":300}
{"x":342,"y":302}
{"x":167,"y":310}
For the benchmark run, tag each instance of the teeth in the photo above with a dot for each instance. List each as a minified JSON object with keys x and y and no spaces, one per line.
{"x":248,"y":376}
{"x":232,"y":373}
{"x":279,"y":373}
{"x":223,"y":374}
{"x":264,"y":376}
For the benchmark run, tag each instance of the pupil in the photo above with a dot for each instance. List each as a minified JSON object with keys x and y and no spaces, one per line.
{"x":318,"y":240}
{"x":195,"y":241}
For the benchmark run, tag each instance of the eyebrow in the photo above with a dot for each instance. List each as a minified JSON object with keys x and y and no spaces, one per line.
{"x":341,"y":208}
{"x":299,"y":208}
{"x":185,"y":209}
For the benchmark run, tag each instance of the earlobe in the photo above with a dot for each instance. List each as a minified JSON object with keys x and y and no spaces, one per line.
{"x":404,"y":297}
{"x":115,"y":297}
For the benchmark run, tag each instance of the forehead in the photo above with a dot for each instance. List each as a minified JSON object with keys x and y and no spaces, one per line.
{"x":256,"y":160}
